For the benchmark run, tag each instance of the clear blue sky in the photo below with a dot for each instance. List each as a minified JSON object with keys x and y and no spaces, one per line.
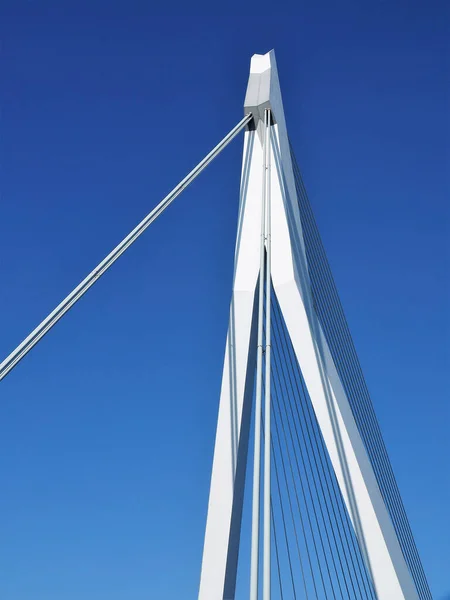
{"x":107,"y":428}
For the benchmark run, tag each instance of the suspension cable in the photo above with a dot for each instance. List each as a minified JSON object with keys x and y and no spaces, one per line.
{"x":11,"y":361}
{"x":331,"y":314}
{"x":267,"y":361}
{"x":314,"y":467}
{"x":356,"y":570}
{"x":254,"y":558}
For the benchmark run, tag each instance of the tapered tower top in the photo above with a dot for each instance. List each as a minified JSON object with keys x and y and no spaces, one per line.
{"x":263,"y":88}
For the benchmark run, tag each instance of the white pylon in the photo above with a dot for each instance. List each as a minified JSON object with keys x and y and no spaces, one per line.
{"x":290,"y":279}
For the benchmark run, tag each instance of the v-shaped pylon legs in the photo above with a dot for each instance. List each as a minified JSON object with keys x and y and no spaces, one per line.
{"x":354,"y":472}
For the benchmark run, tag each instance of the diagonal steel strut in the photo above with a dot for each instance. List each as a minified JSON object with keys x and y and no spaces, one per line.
{"x":37,"y":334}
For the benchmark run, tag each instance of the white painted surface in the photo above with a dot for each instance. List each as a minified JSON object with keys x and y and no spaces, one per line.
{"x":221,"y":546}
{"x":291,"y":283}
{"x":344,"y":444}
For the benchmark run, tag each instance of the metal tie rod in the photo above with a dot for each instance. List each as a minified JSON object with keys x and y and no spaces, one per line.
{"x":11,"y":361}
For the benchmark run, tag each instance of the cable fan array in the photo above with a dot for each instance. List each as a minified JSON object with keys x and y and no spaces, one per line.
{"x":316,"y":550}
{"x":333,"y":322}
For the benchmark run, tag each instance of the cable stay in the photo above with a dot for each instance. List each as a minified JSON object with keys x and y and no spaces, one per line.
{"x":37,"y":334}
{"x":317,"y":553}
{"x":332,"y":318}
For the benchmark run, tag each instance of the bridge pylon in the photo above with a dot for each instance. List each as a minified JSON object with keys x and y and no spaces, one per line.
{"x":270,"y":254}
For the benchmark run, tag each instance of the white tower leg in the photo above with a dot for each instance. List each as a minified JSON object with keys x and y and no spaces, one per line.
{"x":222,"y":537}
{"x":351,"y":464}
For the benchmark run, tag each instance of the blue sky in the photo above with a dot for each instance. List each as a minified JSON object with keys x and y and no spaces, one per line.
{"x":107,"y":428}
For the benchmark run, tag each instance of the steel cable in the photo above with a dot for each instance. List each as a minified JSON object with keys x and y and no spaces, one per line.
{"x":304,"y":402}
{"x":341,"y":345}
